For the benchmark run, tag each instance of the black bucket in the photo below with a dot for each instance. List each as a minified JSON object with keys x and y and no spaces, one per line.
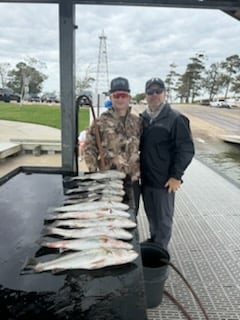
{"x":155,"y":272}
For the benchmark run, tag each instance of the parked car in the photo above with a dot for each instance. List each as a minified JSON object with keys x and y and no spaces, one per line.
{"x":7,"y":95}
{"x":49,"y":98}
{"x":205,"y":102}
{"x":220,"y":103}
{"x":34,"y":98}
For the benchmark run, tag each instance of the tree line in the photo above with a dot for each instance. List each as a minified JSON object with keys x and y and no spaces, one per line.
{"x":220,"y":78}
{"x":27,"y":77}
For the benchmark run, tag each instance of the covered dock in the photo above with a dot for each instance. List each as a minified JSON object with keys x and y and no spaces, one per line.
{"x":204,"y":246}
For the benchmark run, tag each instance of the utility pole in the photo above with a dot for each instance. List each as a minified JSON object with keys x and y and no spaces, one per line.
{"x":102,"y":82}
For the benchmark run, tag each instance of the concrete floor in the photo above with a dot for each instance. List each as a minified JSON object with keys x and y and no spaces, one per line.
{"x":204,"y":246}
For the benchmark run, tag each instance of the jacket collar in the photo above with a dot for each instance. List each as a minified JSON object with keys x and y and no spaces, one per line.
{"x":164,"y":113}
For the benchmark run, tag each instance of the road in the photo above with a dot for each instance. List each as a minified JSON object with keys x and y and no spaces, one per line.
{"x":226,"y":119}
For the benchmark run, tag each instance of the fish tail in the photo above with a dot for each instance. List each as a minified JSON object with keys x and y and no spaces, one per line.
{"x":50,"y":218}
{"x":29,"y":264}
{"x":42,"y":243}
{"x":46,"y":231}
{"x":54,"y":224}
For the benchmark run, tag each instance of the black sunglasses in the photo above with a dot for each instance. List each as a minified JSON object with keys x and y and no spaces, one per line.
{"x":150,"y":92}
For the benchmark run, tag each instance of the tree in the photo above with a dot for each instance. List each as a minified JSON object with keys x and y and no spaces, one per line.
{"x":194,"y":77}
{"x":84,"y":82}
{"x":182,"y":87}
{"x":236,"y":85}
{"x":139,"y":97}
{"x":213,"y":81}
{"x":170,"y":81}
{"x":189,"y":83}
{"x":26,"y":79}
{"x":232,"y":67}
{"x":4,"y":69}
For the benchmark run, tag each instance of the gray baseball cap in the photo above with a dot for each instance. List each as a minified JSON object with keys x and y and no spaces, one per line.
{"x":157,"y":81}
{"x":119,"y":84}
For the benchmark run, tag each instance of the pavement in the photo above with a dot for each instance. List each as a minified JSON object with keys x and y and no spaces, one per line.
{"x":21,"y":130}
{"x":11,"y":130}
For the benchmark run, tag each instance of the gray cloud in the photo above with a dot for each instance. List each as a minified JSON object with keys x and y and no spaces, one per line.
{"x":142,"y":42}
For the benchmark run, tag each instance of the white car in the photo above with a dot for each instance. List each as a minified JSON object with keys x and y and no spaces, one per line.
{"x":220,"y":103}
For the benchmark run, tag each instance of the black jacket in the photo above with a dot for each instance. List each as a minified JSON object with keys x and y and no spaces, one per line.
{"x":166,"y":147}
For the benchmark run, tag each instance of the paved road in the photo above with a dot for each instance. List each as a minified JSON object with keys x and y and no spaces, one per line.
{"x":227,"y":119}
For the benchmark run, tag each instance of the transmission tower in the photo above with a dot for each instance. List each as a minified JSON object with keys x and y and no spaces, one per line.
{"x":102,"y":82}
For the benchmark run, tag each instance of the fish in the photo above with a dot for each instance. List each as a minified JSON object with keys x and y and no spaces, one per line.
{"x":89,"y":215}
{"x":116,"y":233}
{"x":86,"y":243}
{"x":98,"y":187}
{"x":113,"y":222}
{"x":86,"y":259}
{"x":85,"y":189}
{"x":80,"y":200}
{"x":98,"y":196}
{"x":111,"y":192}
{"x":81,"y":195}
{"x":109,"y":174}
{"x":116,"y":183}
{"x":93,"y":205}
{"x":109,"y":197}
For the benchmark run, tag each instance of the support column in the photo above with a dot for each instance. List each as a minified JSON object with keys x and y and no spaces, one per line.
{"x":67,"y":83}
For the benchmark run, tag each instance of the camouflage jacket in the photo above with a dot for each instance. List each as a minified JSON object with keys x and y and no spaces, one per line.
{"x":120,"y":140}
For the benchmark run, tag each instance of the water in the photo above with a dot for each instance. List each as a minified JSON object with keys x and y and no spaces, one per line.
{"x":221,"y":156}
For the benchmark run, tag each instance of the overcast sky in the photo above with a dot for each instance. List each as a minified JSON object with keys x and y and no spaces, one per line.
{"x":142,"y":42}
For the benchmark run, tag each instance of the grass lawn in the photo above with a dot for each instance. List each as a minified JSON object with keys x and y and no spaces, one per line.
{"x":39,"y":114}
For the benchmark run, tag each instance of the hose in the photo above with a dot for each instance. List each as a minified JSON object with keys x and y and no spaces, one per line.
{"x":188,"y":285}
{"x":178,"y":304}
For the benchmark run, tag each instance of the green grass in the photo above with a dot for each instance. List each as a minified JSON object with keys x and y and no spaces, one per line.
{"x":39,"y":114}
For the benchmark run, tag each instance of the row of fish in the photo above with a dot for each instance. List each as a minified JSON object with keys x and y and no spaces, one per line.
{"x":96,"y":232}
{"x":86,"y":259}
{"x":101,"y":186}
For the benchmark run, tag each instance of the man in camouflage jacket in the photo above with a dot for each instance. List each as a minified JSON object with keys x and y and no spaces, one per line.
{"x":120,"y":137}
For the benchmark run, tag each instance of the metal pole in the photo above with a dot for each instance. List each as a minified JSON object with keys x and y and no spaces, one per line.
{"x":67,"y":84}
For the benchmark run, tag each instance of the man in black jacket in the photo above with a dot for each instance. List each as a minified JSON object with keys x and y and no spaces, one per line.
{"x":166,"y":151}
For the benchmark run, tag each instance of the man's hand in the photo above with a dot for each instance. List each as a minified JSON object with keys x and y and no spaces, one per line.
{"x":173,"y":185}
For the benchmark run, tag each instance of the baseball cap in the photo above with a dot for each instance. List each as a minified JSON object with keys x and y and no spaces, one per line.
{"x":108,"y":103}
{"x":119,"y":84}
{"x":152,"y":81}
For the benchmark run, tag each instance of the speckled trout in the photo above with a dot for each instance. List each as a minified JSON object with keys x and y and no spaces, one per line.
{"x":98,"y":197}
{"x":113,"y":222}
{"x":88,"y":215}
{"x":109,"y":174}
{"x":96,"y":205}
{"x":86,"y":244}
{"x":114,"y":187}
{"x":87,"y":259}
{"x":116,"y":233}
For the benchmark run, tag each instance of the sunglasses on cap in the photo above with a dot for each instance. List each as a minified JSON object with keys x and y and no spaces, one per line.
{"x":150,"y":92}
{"x":117,"y":95}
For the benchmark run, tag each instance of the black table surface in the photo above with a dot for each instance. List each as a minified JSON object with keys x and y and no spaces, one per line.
{"x":109,"y":293}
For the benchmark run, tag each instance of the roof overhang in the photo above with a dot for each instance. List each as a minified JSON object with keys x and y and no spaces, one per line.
{"x":231,"y":7}
{"x":204,"y":4}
